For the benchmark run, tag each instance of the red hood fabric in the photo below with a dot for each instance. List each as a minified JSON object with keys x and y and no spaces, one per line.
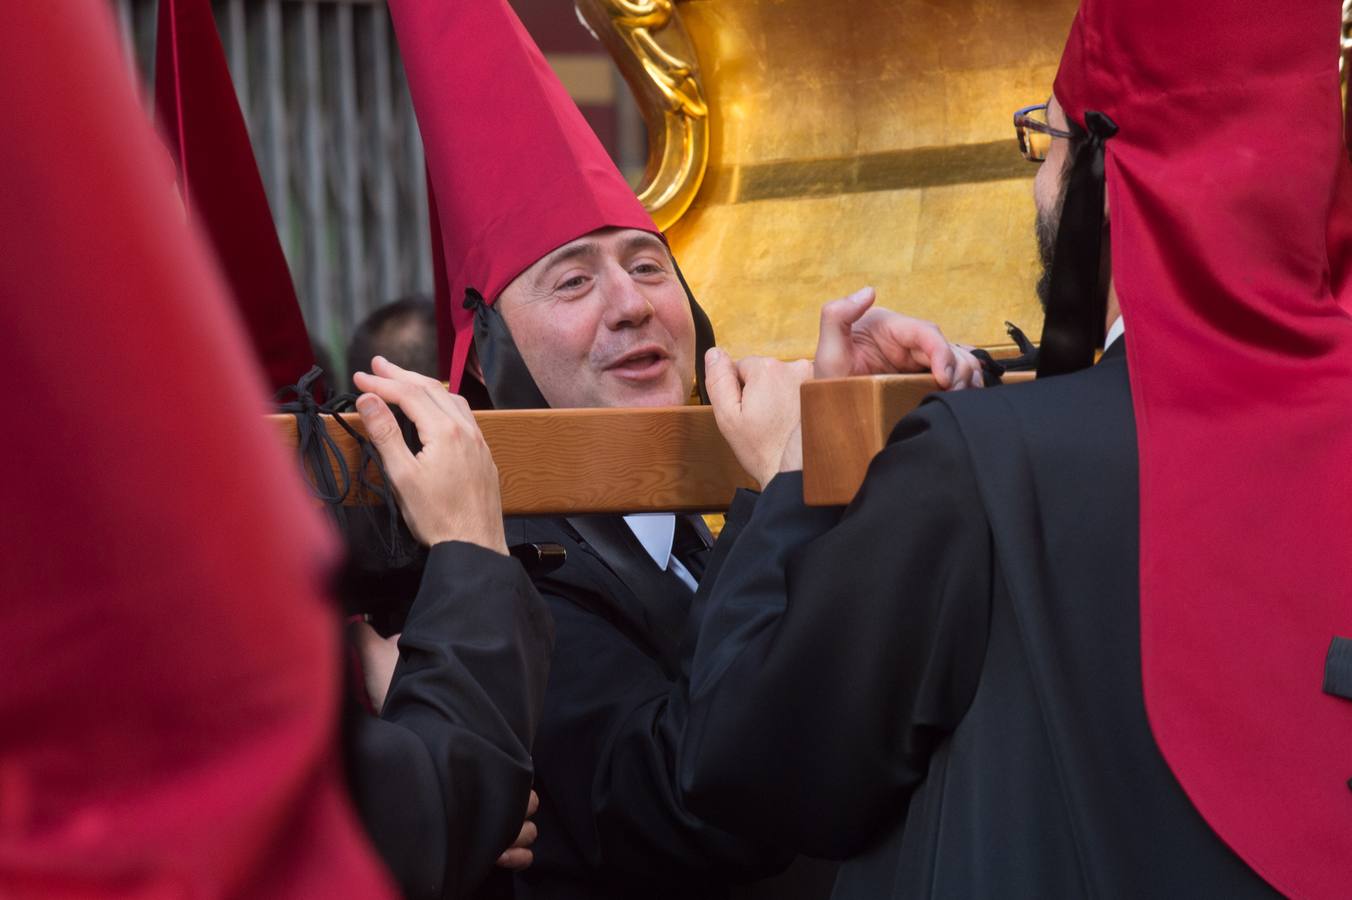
{"x":200,"y":118}
{"x":171,"y":670}
{"x":515,"y":171}
{"x":1229,"y":207}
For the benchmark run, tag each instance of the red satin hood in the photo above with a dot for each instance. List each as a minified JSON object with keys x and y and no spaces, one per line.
{"x":170,"y":669}
{"x":200,"y":118}
{"x":1230,"y":212}
{"x":515,"y":170}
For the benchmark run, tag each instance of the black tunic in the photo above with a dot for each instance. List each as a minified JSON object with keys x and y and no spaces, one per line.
{"x":611,"y":822}
{"x":943,"y":684}
{"x":441,"y":778}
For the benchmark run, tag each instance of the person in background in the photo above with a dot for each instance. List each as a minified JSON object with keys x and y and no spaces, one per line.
{"x":404,"y":332}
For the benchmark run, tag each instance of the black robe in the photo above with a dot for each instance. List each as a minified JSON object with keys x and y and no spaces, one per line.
{"x":942,"y":685}
{"x":442,"y":777}
{"x":611,"y":821}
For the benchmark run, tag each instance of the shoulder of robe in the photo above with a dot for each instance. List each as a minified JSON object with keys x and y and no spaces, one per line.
{"x":1052,"y":407}
{"x":1028,"y":444}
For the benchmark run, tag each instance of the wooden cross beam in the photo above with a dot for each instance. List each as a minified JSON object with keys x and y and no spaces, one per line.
{"x":580,"y":461}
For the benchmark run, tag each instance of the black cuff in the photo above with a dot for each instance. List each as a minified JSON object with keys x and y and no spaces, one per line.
{"x":785,"y":481}
{"x":466,"y":582}
{"x":742,"y":506}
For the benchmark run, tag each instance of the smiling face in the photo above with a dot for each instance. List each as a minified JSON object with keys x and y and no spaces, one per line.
{"x":604,"y":321}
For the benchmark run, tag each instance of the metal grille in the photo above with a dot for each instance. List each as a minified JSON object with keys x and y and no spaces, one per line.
{"x":333,"y":129}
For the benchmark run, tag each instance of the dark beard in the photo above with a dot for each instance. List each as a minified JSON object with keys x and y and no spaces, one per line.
{"x":1048,"y":222}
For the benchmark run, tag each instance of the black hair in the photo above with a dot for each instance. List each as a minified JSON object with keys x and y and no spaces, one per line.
{"x":403,"y":331}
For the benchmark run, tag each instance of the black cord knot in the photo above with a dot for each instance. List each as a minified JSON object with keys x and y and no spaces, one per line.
{"x":1100,"y":125}
{"x":993,"y":370}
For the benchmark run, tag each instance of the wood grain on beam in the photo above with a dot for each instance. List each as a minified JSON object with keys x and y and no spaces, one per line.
{"x":580,"y":461}
{"x":846,"y":421}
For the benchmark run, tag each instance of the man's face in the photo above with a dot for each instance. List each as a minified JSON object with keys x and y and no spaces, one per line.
{"x":1049,"y":193}
{"x":604,"y":321}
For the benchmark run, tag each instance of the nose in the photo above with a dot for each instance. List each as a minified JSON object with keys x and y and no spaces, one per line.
{"x":625,"y":305}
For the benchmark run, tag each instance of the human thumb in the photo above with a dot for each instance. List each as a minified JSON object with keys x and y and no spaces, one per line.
{"x":382,"y":429}
{"x":833,"y":358}
{"x":722,"y":384}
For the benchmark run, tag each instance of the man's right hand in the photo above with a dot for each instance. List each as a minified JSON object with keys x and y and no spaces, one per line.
{"x":519,"y":856}
{"x":448,"y":491}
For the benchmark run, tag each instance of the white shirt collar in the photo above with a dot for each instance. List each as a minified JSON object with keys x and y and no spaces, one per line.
{"x":1114,"y":332}
{"x":656,"y":532}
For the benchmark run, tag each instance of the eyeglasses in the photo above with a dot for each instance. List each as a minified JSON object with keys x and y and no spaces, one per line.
{"x":1035,"y":135}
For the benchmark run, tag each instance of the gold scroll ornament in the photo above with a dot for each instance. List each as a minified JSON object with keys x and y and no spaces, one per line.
{"x":1345,"y":46}
{"x":1347,"y":37}
{"x":657,"y":59}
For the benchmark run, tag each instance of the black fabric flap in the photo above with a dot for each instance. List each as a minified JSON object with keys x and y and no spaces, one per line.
{"x":1338,"y":669}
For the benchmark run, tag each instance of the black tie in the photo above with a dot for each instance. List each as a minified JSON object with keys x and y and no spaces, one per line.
{"x":691,"y":544}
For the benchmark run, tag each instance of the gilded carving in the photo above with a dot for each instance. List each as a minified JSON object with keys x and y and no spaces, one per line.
{"x":657,"y":58}
{"x":1347,"y":37}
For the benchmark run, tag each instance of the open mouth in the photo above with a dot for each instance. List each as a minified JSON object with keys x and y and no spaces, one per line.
{"x":643,"y":362}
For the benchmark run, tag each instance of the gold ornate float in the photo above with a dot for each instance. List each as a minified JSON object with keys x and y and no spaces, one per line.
{"x":800,"y":149}
{"x":1345,"y":45}
{"x":653,"y":50}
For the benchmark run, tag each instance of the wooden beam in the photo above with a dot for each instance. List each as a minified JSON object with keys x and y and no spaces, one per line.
{"x":581,"y":461}
{"x":846,"y":421}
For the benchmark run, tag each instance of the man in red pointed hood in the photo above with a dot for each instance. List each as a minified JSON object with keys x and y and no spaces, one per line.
{"x":557,"y":290}
{"x":1087,"y":636}
{"x":547,"y":265}
{"x":554,"y":288}
{"x":530,"y":216}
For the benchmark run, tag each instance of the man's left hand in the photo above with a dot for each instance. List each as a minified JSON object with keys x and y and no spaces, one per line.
{"x":379,"y":656}
{"x":756,"y":404}
{"x":858,"y":339}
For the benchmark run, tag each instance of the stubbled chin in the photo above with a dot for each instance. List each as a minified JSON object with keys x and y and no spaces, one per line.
{"x":666,"y":392}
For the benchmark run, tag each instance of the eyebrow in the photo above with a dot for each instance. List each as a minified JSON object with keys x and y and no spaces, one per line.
{"x":575,"y":250}
{"x":588,"y":248}
{"x":643,"y":241}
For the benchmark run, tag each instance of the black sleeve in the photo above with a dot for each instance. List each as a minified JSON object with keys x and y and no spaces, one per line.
{"x":607,"y":758}
{"x":441,"y":779}
{"x":738,"y":515}
{"x":834,"y":654}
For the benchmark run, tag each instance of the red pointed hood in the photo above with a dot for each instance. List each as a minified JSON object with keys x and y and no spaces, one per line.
{"x":199,"y":115}
{"x":514,"y":169}
{"x":1229,"y":208}
{"x":170,"y":666}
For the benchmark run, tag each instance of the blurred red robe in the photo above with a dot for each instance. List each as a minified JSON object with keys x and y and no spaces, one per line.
{"x":171,"y":671}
